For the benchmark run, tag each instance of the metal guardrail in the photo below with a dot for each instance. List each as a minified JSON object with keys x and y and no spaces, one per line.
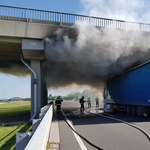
{"x":42,"y":16}
{"x":40,"y":137}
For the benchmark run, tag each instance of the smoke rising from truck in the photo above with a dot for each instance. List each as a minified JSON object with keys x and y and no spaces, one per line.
{"x":90,"y":55}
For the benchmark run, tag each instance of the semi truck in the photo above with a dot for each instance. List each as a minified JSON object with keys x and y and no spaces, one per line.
{"x":129,"y":91}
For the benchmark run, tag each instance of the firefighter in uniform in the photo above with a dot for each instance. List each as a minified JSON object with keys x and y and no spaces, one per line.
{"x":89,"y":102}
{"x":82,"y":103}
{"x":58,"y":103}
{"x":97,"y":101}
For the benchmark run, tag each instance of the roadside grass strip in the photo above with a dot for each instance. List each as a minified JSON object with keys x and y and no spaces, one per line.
{"x":13,"y":109}
{"x":8,"y":135}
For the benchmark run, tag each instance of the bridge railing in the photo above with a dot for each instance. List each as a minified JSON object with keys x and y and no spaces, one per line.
{"x":41,"y":16}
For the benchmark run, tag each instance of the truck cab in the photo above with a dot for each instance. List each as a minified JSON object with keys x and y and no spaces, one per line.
{"x":108,"y":102}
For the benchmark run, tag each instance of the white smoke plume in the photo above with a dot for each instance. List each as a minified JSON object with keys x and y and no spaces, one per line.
{"x":93,"y":56}
{"x":128,"y":10}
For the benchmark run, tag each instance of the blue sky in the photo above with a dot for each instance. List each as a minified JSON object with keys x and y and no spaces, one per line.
{"x":68,"y":6}
{"x":130,"y":10}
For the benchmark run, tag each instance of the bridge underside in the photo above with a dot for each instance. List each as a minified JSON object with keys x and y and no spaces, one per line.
{"x":10,"y":51}
{"x":11,"y":35}
{"x":10,"y":63}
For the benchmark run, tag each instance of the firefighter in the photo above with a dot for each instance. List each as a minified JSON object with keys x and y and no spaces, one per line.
{"x":58,"y":103}
{"x":89,"y":102}
{"x":97,"y":101}
{"x":82,"y":103}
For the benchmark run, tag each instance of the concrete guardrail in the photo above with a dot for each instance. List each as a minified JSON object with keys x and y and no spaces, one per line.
{"x":38,"y":138}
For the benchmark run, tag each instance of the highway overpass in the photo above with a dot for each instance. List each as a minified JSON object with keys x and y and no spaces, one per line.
{"x":23,"y":30}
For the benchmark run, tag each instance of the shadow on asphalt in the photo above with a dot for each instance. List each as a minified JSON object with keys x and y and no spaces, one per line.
{"x":87,"y":118}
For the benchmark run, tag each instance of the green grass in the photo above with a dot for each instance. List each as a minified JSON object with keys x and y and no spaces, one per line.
{"x":8,"y":135}
{"x":48,"y":146}
{"x":13,"y":109}
{"x":52,"y":145}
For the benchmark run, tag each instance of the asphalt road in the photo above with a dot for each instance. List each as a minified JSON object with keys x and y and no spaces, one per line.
{"x":105,"y":133}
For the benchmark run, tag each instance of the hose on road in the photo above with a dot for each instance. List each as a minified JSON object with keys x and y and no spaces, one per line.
{"x":134,"y":126}
{"x":93,"y":145}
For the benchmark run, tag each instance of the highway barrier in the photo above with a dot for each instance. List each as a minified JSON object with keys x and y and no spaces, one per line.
{"x":37,"y":140}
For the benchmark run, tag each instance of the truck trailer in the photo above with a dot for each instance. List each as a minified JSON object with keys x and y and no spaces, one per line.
{"x":130,"y":91}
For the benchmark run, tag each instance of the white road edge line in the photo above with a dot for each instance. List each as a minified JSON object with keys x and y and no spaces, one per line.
{"x":81,"y":144}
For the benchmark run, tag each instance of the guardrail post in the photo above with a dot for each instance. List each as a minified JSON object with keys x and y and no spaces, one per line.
{"x":27,"y":15}
{"x":89,"y":20}
{"x":60,"y":18}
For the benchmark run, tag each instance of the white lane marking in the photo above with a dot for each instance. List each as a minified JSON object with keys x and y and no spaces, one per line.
{"x":81,"y":144}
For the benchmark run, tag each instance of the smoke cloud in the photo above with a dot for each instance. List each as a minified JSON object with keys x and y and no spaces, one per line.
{"x":92,"y":55}
{"x":16,"y":70}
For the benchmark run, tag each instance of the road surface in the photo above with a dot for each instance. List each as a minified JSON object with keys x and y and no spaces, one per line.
{"x":105,"y":133}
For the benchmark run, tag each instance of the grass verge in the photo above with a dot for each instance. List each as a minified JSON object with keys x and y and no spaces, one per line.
{"x":13,"y":109}
{"x":52,"y":146}
{"x":8,"y":135}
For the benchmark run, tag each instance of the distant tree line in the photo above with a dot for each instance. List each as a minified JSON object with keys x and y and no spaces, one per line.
{"x":77,"y":95}
{"x":72,"y":96}
{"x":22,"y":99}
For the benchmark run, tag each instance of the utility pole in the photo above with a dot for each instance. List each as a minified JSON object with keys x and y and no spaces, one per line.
{"x":4,"y":95}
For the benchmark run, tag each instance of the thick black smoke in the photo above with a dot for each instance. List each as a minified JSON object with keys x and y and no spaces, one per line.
{"x":92,"y":55}
{"x":16,"y":70}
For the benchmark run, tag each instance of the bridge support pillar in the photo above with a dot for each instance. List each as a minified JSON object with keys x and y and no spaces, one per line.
{"x":36,"y":66}
{"x":44,"y":94}
{"x":41,"y":88}
{"x":43,"y":91}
